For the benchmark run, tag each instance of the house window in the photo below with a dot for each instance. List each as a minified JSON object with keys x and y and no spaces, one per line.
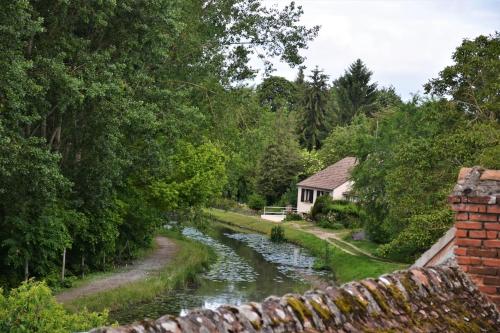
{"x":306,"y":195}
{"x":320,"y":193}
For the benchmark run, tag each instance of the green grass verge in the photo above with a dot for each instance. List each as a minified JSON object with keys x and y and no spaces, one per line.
{"x":346,"y":247}
{"x":191,"y":259}
{"x":366,"y":245}
{"x":345,"y":266}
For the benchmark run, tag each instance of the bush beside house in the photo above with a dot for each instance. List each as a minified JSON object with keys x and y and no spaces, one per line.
{"x":336,"y":214}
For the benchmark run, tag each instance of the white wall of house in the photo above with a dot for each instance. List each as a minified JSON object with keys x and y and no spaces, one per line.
{"x":337,"y":194}
{"x":304,"y":207}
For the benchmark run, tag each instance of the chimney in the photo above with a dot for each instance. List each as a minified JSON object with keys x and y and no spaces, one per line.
{"x":476,"y":203}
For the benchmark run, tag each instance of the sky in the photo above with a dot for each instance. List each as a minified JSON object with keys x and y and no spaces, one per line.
{"x":405,"y":43}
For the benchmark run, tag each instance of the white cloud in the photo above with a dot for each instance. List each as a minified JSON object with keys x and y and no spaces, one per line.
{"x":405,"y":43}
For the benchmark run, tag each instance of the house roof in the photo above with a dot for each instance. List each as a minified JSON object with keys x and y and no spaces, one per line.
{"x":438,"y":299}
{"x":441,"y":253}
{"x":331,"y":177}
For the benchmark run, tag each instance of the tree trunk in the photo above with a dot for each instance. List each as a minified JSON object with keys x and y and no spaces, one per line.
{"x":26,"y":269}
{"x":55,"y":139}
{"x":44,"y":128}
{"x":63,"y":265}
{"x":83,"y":266}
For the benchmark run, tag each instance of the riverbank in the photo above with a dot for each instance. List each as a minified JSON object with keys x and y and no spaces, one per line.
{"x":190,"y":259}
{"x":164,"y":251}
{"x":347,"y":267}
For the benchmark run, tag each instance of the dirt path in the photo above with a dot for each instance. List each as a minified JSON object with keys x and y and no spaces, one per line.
{"x":162,"y":255}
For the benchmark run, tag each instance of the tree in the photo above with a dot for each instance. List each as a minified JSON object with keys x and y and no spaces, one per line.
{"x":472,"y":81}
{"x":408,"y":160}
{"x":387,"y":97}
{"x":347,"y":140}
{"x":354,"y":94}
{"x":277,"y":93}
{"x":280,"y":162}
{"x":313,"y":123}
{"x":300,"y":89}
{"x":197,"y":176}
{"x":99,"y":98}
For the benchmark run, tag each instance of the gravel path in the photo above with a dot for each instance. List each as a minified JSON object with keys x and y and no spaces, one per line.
{"x":163,"y":254}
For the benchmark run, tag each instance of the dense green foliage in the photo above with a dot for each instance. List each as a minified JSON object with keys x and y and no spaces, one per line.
{"x":281,"y":160}
{"x":472,"y":81}
{"x":30,"y":308}
{"x":409,"y":159}
{"x":256,"y":201}
{"x":409,"y":154}
{"x":354,"y":94}
{"x":277,"y":93}
{"x":336,"y":214}
{"x":114,"y":113}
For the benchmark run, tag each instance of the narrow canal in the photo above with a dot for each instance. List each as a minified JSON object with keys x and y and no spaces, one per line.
{"x":249,"y":267}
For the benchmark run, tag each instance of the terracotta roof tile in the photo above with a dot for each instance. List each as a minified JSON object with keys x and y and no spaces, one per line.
{"x":331,"y":177}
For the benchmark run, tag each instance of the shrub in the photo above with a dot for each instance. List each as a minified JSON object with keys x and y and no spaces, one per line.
{"x":376,"y":231}
{"x":224,"y":204}
{"x":32,"y":308}
{"x":320,"y":206}
{"x":289,"y":197}
{"x":421,"y":233}
{"x":337,"y":211}
{"x":330,"y":225}
{"x":293,"y":217}
{"x":278,"y":234}
{"x":256,"y":201}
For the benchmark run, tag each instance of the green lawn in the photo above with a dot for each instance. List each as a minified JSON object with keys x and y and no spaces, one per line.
{"x":345,"y":266}
{"x":366,"y":245}
{"x":192,"y":258}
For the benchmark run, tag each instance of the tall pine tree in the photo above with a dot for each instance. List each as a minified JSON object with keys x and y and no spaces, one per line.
{"x":313,"y":122}
{"x":354,"y":94}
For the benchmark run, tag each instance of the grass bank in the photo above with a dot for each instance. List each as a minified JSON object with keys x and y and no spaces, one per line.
{"x":191,"y":259}
{"x":366,"y":245}
{"x":345,"y":266}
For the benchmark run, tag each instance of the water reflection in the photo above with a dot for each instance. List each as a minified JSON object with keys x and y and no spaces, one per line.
{"x":290,"y":259}
{"x":229,"y":266}
{"x":249,"y":268}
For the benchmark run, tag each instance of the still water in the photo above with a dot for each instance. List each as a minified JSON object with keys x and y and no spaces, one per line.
{"x":249,"y":267}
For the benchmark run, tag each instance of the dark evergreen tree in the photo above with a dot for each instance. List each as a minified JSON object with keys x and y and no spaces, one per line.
{"x":300,"y":87}
{"x":313,"y":123}
{"x":354,"y":94}
{"x":301,"y":78}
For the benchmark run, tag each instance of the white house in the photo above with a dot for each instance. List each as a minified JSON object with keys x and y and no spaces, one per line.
{"x":334,"y":181}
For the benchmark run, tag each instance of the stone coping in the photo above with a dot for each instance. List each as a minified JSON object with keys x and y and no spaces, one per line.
{"x":435,"y":299}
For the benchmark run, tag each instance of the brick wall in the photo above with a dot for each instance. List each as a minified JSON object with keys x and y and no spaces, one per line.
{"x":476,"y":202}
